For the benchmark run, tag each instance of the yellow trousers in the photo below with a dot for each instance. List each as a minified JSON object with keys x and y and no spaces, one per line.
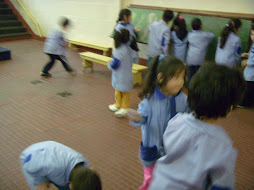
{"x":122,"y":99}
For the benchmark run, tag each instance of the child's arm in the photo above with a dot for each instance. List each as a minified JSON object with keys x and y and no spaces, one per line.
{"x":139,"y":117}
{"x":210,"y":36}
{"x":238,"y":50}
{"x":165,"y":42}
{"x":114,"y":64}
{"x":245,"y":55}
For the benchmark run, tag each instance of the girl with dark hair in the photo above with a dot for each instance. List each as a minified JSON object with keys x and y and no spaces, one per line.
{"x":199,"y":153}
{"x":162,"y":100}
{"x":124,"y":22}
{"x":121,"y":66}
{"x":179,"y":38}
{"x":228,"y":50}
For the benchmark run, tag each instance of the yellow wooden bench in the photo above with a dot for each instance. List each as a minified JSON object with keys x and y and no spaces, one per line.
{"x":89,"y":58}
{"x":107,"y":49}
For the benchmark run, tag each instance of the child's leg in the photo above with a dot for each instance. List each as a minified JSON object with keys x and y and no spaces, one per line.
{"x":248,"y":99}
{"x":125,"y":100}
{"x":49,"y":65}
{"x":64,"y":61}
{"x":148,"y":171}
{"x":118,"y":98}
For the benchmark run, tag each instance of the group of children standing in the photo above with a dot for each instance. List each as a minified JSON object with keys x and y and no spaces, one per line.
{"x":181,"y":146}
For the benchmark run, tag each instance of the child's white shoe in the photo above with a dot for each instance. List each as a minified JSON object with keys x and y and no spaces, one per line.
{"x":121,"y":112}
{"x":113,"y":107}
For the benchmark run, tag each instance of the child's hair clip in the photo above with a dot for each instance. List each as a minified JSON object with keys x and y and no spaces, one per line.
{"x":227,"y":25}
{"x":181,"y":18}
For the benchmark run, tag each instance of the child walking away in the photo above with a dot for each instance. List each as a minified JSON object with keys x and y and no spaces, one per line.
{"x":228,"y":50}
{"x":199,"y":154}
{"x":122,"y":79}
{"x":124,"y":22}
{"x":198,"y":44}
{"x":179,"y":38}
{"x":55,"y":49}
{"x":159,"y":36}
{"x":49,"y":162}
{"x":248,"y":100}
{"x":162,"y":100}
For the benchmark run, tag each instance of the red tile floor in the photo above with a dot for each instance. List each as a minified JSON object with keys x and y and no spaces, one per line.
{"x":30,"y":113}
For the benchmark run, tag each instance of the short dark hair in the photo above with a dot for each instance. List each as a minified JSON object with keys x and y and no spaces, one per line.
{"x":196,"y":24}
{"x":83,"y":178}
{"x":64,"y":21}
{"x":168,"y":15}
{"x":252,"y":26}
{"x":121,"y":37}
{"x":214,"y":89}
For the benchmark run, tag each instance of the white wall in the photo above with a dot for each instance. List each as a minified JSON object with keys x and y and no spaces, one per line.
{"x":92,"y":20}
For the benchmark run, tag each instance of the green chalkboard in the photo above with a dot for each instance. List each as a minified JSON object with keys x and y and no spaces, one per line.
{"x":216,"y":25}
{"x":142,"y":18}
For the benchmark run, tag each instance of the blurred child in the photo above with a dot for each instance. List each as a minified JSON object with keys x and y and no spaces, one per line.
{"x":199,"y":154}
{"x":49,"y":162}
{"x":248,"y":100}
{"x":55,"y":48}
{"x":179,"y":38}
{"x":162,"y":100}
{"x":228,"y":50}
{"x":124,"y":22}
{"x":122,"y":79}
{"x":159,"y":37}
{"x":198,"y":44}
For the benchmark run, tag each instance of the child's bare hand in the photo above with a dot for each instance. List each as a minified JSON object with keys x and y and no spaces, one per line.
{"x":246,"y":55}
{"x":133,"y":115}
{"x":244,"y":63}
{"x":137,"y":30}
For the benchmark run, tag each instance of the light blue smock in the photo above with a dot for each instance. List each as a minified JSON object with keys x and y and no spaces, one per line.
{"x":179,"y":48}
{"x":198,"y":44}
{"x":49,"y":161}
{"x":230,"y":54}
{"x":249,"y":69}
{"x":158,"y":40}
{"x":55,"y":43}
{"x":133,"y":34}
{"x":155,"y":113}
{"x":122,"y":79}
{"x":198,"y":156}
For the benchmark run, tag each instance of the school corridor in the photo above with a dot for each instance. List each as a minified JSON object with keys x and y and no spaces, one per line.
{"x":73,"y":110}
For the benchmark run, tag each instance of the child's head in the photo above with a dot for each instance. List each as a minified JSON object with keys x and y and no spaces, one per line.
{"x":214,"y":90}
{"x":252,"y":32}
{"x":167,"y":15}
{"x":167,"y":74}
{"x":125,"y":16}
{"x":121,"y":37}
{"x":84,"y":178}
{"x":232,"y":26}
{"x":64,"y":22}
{"x":196,"y":24}
{"x":180,"y":27}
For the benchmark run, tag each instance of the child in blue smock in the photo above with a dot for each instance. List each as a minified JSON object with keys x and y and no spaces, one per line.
{"x":228,"y":50}
{"x":162,"y":100}
{"x":198,"y":44}
{"x":124,"y":22}
{"x":248,"y":100}
{"x":50,"y":162}
{"x":55,"y":48}
{"x":122,"y":79}
{"x":179,"y":38}
{"x":159,"y":37}
{"x":200,"y":154}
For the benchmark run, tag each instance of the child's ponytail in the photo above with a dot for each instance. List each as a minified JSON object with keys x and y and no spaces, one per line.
{"x":150,"y":79}
{"x":232,"y":26}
